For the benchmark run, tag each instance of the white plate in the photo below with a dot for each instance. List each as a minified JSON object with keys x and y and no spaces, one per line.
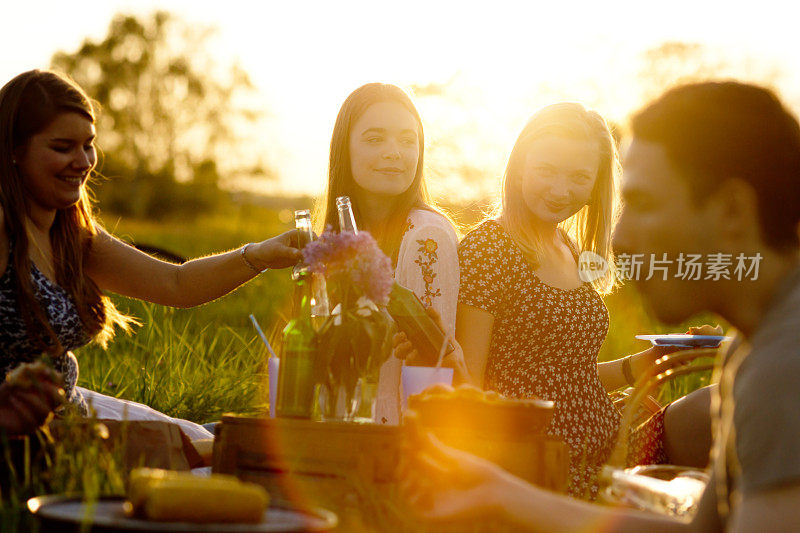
{"x":684,"y":340}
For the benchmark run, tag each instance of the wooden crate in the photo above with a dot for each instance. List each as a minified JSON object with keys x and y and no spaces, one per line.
{"x":543,"y":461}
{"x":302,"y":447}
{"x":346,"y":468}
{"x":351,"y":469}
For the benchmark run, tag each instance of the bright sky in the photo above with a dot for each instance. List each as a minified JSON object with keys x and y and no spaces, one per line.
{"x":505,"y":60}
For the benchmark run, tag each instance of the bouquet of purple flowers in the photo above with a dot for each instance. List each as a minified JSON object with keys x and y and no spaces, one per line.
{"x":353,"y":265}
{"x":356,"y":339}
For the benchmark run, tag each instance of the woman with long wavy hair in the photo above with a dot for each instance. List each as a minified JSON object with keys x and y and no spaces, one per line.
{"x":56,"y":260}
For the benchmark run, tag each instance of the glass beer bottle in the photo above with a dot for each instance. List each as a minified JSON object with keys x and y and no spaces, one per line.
{"x":347,"y":221}
{"x":315,"y":285}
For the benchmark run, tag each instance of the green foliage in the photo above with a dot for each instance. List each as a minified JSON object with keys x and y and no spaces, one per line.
{"x":170,"y":115}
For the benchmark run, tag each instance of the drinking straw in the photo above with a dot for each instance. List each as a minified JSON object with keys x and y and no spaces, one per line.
{"x":443,"y":349}
{"x":263,"y":337}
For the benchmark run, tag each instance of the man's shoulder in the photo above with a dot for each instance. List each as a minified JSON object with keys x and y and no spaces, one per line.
{"x":775,"y":347}
{"x":766,"y":398}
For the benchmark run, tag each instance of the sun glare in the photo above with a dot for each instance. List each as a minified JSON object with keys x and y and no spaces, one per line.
{"x":475,"y":73}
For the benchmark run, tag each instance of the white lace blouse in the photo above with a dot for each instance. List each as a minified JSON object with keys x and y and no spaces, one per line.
{"x":427,"y":263}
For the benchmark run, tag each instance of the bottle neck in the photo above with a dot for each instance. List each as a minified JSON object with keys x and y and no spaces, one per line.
{"x":347,"y":221}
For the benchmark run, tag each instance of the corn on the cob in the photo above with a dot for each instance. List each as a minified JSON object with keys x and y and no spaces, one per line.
{"x":139,"y":485}
{"x":182,"y":497}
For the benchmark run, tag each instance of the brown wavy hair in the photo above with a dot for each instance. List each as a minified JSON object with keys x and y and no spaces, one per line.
{"x":28,"y":104}
{"x":340,"y":174}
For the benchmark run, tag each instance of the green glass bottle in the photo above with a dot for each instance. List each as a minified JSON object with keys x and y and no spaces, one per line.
{"x":410,"y":316}
{"x":296,"y":378}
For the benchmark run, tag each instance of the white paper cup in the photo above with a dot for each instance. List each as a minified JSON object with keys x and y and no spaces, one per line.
{"x":418,"y":378}
{"x":273,"y":365}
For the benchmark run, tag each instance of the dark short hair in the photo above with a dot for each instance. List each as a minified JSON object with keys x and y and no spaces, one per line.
{"x":714,"y":131}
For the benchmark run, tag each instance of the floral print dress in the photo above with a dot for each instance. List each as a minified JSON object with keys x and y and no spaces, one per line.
{"x":544,"y":344}
{"x":427,"y":263}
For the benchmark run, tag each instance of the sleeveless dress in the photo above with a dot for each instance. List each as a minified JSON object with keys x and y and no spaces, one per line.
{"x":544,"y":344}
{"x":17,"y":348}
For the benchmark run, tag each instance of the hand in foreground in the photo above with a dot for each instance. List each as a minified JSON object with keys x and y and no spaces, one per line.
{"x":278,"y":252}
{"x":442,"y":483}
{"x":28,"y":397}
{"x":404,"y":349}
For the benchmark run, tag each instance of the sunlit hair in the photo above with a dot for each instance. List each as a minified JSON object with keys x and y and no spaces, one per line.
{"x":591,"y":227}
{"x":340,"y":175}
{"x":28,"y":104}
{"x":714,"y":131}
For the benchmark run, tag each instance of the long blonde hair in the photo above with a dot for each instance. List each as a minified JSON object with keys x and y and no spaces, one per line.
{"x":590,"y":228}
{"x":28,"y":104}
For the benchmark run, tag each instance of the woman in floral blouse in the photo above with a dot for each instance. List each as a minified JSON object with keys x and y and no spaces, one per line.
{"x":529,"y":323}
{"x":376,"y":159}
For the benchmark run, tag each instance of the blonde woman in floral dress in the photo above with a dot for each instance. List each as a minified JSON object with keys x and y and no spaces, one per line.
{"x":376,"y":159}
{"x":528,"y":324}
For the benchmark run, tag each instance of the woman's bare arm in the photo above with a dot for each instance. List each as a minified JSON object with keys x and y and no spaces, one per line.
{"x":118,"y":267}
{"x":473,"y":333}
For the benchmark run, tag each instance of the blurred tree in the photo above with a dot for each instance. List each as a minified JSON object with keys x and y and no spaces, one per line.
{"x":169,"y":115}
{"x":674,"y":62}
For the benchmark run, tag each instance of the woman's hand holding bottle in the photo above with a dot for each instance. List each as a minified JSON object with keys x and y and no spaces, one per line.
{"x":280,"y":251}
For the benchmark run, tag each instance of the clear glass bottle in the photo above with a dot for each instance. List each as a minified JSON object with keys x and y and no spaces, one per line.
{"x":302,"y":222}
{"x":315,"y":285}
{"x":347,"y":221}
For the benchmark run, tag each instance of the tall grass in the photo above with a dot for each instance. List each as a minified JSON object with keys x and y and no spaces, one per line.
{"x":194,"y":363}
{"x":81,"y":462}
